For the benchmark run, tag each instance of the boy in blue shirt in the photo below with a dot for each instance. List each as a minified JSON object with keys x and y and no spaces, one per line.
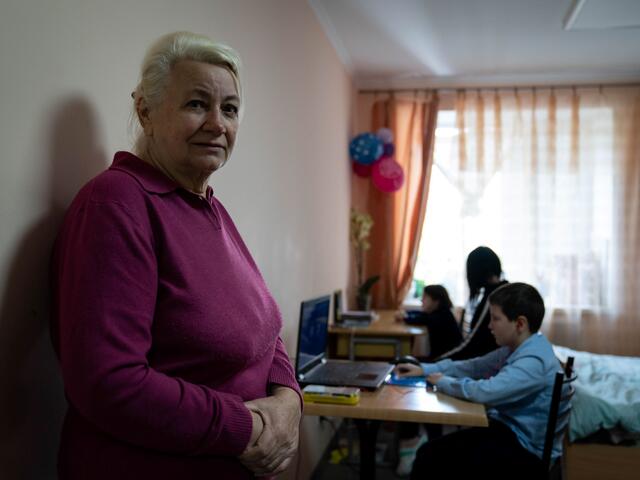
{"x":515,"y":383}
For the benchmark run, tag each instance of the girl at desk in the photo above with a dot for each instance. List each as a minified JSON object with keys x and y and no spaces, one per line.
{"x":437,"y":317}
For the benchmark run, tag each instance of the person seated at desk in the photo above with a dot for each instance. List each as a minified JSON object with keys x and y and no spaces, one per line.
{"x":515,"y":382}
{"x":444,"y":334}
{"x":437,"y":317}
{"x":484,"y":272}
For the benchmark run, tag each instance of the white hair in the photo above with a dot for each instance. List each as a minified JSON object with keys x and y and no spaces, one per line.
{"x":169,"y":50}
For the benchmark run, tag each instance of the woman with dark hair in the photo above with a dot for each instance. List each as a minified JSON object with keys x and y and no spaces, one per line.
{"x":484,"y":272}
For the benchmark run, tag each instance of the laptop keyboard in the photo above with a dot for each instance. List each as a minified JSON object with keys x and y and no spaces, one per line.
{"x":334,"y":372}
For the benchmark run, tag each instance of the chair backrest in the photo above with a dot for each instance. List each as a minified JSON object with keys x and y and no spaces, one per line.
{"x":558,"y":418}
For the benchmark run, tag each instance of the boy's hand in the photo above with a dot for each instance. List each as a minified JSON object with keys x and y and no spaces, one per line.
{"x":434,"y":377}
{"x":408,"y":370}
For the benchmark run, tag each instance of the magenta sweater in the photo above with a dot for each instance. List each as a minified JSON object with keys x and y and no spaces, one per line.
{"x":163,"y":326}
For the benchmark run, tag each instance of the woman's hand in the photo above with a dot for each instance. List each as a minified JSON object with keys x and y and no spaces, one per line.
{"x":408,"y":370}
{"x":277,"y":444}
{"x":256,"y":428}
{"x":434,"y":377}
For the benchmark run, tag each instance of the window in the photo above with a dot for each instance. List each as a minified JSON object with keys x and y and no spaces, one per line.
{"x":547,"y":215}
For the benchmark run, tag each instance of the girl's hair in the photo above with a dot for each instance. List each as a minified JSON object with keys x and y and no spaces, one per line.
{"x":440,"y":294}
{"x":482,"y":264}
{"x":169,"y":50}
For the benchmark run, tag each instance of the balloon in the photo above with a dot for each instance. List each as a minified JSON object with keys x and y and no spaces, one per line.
{"x":365,"y":148}
{"x":361,"y":170}
{"x":388,"y":150}
{"x":387,"y":175}
{"x":385,"y":134}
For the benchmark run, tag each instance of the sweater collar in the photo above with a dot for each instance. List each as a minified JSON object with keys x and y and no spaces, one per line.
{"x":149,"y":177}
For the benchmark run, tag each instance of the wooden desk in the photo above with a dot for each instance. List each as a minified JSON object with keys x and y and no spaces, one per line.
{"x":399,"y":404}
{"x":382,"y":338}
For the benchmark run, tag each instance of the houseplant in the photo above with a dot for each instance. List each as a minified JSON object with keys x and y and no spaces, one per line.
{"x":360,"y":230}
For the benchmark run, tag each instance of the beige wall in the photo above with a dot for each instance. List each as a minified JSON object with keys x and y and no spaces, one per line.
{"x":67,"y":69}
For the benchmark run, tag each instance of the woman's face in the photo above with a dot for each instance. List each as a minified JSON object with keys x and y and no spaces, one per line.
{"x":194,"y":128}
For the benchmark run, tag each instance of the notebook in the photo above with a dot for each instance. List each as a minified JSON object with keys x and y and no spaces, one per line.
{"x":312,"y":366}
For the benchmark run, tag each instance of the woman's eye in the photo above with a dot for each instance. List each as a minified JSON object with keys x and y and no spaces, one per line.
{"x":230,"y":109}
{"x":196,"y":104}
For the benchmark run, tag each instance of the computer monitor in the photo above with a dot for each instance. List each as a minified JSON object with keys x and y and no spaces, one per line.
{"x":313,"y":332}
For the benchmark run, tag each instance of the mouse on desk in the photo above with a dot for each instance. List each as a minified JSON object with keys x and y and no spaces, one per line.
{"x":413,"y":361}
{"x":406,"y":359}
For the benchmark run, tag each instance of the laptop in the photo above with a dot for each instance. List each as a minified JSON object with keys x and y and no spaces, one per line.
{"x":312,"y":366}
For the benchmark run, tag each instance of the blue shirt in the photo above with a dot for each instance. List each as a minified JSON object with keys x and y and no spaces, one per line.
{"x":516,"y":387}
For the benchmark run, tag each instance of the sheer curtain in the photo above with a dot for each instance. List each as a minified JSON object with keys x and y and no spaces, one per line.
{"x":550,"y":179}
{"x":398,"y":217}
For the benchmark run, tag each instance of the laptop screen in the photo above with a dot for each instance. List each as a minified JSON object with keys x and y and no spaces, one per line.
{"x":312,"y":336}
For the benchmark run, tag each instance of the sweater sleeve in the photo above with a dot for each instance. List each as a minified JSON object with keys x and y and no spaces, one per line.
{"x":106,"y":280}
{"x":281,"y":372}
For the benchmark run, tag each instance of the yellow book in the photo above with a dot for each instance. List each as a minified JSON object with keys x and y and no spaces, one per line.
{"x":325,"y":394}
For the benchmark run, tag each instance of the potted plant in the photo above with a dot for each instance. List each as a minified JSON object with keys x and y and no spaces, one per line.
{"x":361,"y":224}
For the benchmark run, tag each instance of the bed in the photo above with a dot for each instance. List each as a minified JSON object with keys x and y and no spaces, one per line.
{"x":604,"y":428}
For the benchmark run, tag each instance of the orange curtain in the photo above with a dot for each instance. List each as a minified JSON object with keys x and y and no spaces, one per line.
{"x":398,"y":217}
{"x":624,"y":326}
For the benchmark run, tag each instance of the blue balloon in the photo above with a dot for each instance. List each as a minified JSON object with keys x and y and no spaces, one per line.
{"x":366,"y":148}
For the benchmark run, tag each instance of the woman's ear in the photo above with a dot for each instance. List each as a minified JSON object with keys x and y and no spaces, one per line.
{"x":143,"y":111}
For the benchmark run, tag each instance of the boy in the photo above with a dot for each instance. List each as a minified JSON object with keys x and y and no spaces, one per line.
{"x":515,"y":382}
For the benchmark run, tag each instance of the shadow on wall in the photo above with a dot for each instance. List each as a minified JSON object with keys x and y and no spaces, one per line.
{"x":32,"y":403}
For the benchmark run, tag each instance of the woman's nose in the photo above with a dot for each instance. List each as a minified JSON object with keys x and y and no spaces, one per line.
{"x":215,"y":122}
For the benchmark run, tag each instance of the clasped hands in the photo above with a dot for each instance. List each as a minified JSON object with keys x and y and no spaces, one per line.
{"x":274,"y":438}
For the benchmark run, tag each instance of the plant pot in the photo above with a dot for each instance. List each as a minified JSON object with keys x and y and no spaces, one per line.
{"x":363,"y":301}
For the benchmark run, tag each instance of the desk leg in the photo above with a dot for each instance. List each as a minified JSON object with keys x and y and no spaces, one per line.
{"x":368,"y":431}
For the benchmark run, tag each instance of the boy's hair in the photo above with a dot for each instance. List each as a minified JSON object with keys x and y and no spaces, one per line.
{"x":517,"y":299}
{"x":438,"y":293}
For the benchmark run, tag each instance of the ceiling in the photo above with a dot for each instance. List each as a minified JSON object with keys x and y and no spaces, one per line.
{"x":440,"y":43}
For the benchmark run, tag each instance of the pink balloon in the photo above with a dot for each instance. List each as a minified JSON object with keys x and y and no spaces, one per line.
{"x":361,"y":170}
{"x":387,"y":175}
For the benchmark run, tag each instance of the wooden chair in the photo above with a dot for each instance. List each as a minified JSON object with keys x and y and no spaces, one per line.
{"x":558,"y":422}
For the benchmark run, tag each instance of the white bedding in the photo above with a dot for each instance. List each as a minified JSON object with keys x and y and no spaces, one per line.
{"x":607,"y":392}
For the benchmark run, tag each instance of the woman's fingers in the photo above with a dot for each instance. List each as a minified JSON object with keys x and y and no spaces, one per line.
{"x":276,"y":467}
{"x":268,"y":454}
{"x":278,"y":441}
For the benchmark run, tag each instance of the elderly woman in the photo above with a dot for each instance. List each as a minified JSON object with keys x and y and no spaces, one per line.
{"x":167,"y":335}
